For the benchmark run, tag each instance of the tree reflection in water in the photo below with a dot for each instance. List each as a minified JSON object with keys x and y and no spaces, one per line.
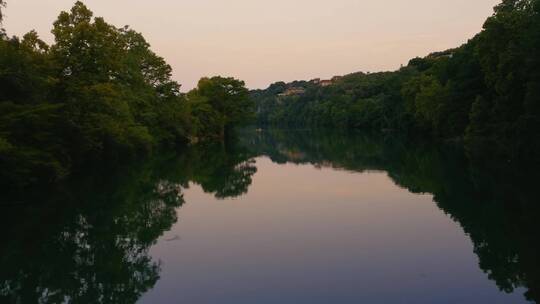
{"x":495,"y":204}
{"x":89,"y":241}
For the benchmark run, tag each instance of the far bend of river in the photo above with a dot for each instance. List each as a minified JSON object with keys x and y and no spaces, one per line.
{"x":280,"y":217}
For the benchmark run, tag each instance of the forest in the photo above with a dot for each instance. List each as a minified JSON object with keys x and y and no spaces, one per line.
{"x":484,"y":94}
{"x":98,"y":146}
{"x":98,"y":94}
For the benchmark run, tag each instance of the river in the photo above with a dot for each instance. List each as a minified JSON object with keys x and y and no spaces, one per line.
{"x":279,"y":216}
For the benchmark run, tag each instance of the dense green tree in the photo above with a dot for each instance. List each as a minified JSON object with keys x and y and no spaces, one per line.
{"x":508,"y":52}
{"x":220,"y":103}
{"x":98,"y":94}
{"x":485,"y":92}
{"x":30,"y":128}
{"x":116,"y":89}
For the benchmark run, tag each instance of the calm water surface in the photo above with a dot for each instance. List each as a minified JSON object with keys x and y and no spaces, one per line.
{"x":284,"y":217}
{"x":308,"y":235}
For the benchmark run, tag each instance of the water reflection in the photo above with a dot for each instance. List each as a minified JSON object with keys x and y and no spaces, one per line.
{"x":89,"y":244}
{"x":498,"y":210}
{"x":89,"y":241}
{"x":222,"y":169}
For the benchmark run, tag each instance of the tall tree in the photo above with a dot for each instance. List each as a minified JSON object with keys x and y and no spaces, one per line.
{"x":98,"y":92}
{"x":226,"y":98}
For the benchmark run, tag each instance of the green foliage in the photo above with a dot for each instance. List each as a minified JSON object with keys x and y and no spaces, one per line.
{"x":98,"y":94}
{"x":219,"y":103}
{"x":486,"y":92}
{"x":508,"y":52}
{"x":354,"y":101}
{"x":424,"y":96}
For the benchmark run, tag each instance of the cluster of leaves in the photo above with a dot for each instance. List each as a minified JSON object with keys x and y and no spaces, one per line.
{"x":356,"y":100}
{"x":98,"y":93}
{"x":486,"y":92}
{"x":218,"y":104}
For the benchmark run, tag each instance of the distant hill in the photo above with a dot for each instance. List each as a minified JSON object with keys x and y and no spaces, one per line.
{"x":485,"y":93}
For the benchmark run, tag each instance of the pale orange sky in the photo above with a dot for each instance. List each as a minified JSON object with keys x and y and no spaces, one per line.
{"x":266,"y":41}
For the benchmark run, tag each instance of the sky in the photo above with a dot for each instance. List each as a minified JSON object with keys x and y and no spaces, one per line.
{"x":262,"y":42}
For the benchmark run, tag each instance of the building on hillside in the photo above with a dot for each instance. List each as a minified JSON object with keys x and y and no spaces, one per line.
{"x":294,"y":91}
{"x":325,"y":83}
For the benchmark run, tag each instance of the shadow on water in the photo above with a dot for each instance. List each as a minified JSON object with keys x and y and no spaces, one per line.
{"x":89,"y":240}
{"x":496,"y":206}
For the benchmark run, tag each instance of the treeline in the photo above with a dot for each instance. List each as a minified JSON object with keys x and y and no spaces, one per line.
{"x":99,"y":93}
{"x":485,"y":93}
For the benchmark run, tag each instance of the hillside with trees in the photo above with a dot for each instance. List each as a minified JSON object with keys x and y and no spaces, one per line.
{"x":485,"y":93}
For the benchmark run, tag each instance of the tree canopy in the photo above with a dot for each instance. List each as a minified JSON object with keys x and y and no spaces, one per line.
{"x":485,"y":92}
{"x":220,"y":102}
{"x":99,"y":93}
